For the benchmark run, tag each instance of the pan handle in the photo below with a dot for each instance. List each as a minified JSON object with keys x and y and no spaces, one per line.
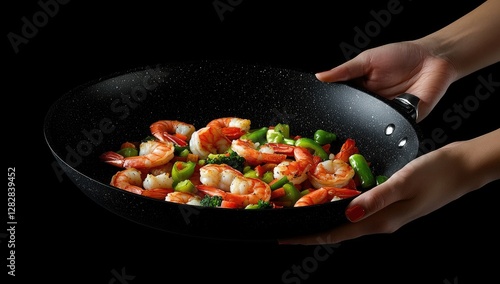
{"x":409,"y":103}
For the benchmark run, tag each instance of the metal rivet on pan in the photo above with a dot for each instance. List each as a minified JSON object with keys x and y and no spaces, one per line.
{"x":402,"y":142}
{"x":389,"y":129}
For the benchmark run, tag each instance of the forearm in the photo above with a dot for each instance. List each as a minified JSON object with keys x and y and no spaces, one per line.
{"x":471,"y":42}
{"x":479,"y":159}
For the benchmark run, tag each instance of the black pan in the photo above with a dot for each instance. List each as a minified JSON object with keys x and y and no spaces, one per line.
{"x":99,"y":116}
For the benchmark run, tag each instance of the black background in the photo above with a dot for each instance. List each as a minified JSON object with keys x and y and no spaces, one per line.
{"x":63,"y":237}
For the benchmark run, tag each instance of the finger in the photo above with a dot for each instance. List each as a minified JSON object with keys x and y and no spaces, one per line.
{"x":385,"y":221}
{"x":374,"y":200}
{"x":349,"y":70}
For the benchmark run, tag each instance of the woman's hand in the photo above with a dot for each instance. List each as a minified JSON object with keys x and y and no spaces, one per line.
{"x":396,"y":68}
{"x":422,"y":186}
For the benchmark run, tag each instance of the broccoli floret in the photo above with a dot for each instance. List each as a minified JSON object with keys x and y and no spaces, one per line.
{"x":260,"y":205}
{"x":211,"y":201}
{"x":230,"y":158}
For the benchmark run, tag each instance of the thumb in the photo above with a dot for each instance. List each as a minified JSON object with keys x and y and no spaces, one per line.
{"x":349,"y":70}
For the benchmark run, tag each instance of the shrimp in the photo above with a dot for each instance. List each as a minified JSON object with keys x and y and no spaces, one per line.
{"x":165,"y":130}
{"x":219,"y":176}
{"x":331,"y":173}
{"x":248,"y":150}
{"x":295,"y":170}
{"x":324,"y":195}
{"x":131,"y":180}
{"x":151,"y":154}
{"x":221,"y":179}
{"x":347,"y":149}
{"x":232,"y":127}
{"x":163,"y":180}
{"x":208,"y":140}
{"x":183,"y":198}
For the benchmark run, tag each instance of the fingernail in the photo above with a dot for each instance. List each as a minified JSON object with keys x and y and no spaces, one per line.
{"x":354,"y":213}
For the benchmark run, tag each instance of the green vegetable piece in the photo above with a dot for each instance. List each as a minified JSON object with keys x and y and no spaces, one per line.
{"x":278,"y":134}
{"x":380,"y":179}
{"x":362,"y":169}
{"x":185,"y":186}
{"x":304,"y":192}
{"x":292,"y":194}
{"x":211,"y":201}
{"x":148,"y":138}
{"x":273,"y":136}
{"x":247,"y":169}
{"x":128,"y":152}
{"x":260,"y":205}
{"x":178,"y":150}
{"x":251,"y":174}
{"x":267,"y":177}
{"x":279,"y":183}
{"x":312,"y":145}
{"x":230,"y":158}
{"x":283,"y":129}
{"x":323,"y":137}
{"x":182,"y":171}
{"x":258,"y":135}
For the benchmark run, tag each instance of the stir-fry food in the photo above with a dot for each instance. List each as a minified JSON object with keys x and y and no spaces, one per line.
{"x":228,"y":164}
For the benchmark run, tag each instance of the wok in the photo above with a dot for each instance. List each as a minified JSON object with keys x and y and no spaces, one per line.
{"x":100,"y":115}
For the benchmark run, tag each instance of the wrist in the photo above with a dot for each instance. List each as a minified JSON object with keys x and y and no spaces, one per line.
{"x":478,"y":159}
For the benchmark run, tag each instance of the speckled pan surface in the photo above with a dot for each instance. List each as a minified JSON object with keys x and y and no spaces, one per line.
{"x":99,"y":116}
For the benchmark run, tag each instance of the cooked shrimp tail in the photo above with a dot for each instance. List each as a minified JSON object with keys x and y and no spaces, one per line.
{"x":175,"y":131}
{"x":348,"y":148}
{"x":151,"y":154}
{"x":248,"y":150}
{"x":232,"y":127}
{"x":324,"y":195}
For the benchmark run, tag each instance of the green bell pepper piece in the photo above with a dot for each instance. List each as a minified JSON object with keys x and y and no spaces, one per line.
{"x":273,"y":136}
{"x":282,"y":181}
{"x":185,"y":186}
{"x":182,"y":170}
{"x":362,"y":169}
{"x":128,"y":152}
{"x":258,"y":135}
{"x":283,"y":129}
{"x":380,"y":179}
{"x":292,"y":194}
{"x":323,"y":137}
{"x":267,"y":177}
{"x":251,"y":174}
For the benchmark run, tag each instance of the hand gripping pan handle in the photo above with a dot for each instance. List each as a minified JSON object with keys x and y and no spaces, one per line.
{"x":409,"y":104}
